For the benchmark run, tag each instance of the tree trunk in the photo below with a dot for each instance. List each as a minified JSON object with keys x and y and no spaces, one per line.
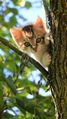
{"x":58,"y":69}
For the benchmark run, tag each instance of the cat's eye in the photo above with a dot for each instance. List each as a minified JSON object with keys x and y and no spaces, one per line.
{"x":27,"y":44}
{"x":40,"y":39}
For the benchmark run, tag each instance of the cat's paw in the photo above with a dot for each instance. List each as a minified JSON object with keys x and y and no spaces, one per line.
{"x":46,"y":59}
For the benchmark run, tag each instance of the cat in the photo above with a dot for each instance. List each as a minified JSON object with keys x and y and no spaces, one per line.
{"x":34,"y":40}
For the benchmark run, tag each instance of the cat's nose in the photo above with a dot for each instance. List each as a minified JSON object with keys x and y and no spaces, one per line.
{"x":35,"y":48}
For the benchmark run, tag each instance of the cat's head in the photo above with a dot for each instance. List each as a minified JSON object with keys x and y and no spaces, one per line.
{"x":29,"y":36}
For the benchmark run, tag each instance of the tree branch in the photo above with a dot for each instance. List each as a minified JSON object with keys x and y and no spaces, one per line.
{"x":35,"y":63}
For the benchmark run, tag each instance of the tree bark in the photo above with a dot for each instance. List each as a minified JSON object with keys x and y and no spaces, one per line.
{"x":58,"y":68}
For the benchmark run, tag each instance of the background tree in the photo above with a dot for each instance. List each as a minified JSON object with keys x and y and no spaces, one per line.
{"x":17,"y":82}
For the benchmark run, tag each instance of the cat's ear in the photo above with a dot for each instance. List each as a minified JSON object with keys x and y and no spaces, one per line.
{"x":16,"y":35}
{"x":38,"y":22}
{"x":39,"y":26}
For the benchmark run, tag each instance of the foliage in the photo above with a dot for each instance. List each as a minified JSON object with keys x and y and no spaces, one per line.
{"x":17,"y":82}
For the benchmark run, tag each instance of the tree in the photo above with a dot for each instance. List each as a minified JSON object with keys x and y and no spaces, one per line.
{"x":60,"y":49}
{"x":16,"y":86}
{"x":58,"y":70}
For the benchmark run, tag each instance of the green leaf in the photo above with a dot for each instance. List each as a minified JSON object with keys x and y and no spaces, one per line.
{"x":28,"y":5}
{"x":1,"y":97}
{"x":1,"y":19}
{"x":8,"y":116}
{"x":15,"y":1}
{"x":10,"y":84}
{"x":13,"y":10}
{"x":0,"y":2}
{"x":13,"y":20}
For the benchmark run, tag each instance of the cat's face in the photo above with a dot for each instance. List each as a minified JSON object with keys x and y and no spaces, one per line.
{"x":29,"y":37}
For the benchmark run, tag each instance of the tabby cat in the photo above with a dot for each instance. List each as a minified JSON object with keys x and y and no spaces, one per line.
{"x":34,"y":40}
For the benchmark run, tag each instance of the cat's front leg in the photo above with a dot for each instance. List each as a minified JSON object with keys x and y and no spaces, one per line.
{"x":46,"y":59}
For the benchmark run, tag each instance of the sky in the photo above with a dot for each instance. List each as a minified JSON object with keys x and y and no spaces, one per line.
{"x":30,"y":14}
{"x":37,"y":9}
